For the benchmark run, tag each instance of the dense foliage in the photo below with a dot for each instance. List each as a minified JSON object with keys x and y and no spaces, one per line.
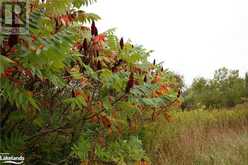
{"x":226,"y":89}
{"x":71,"y":95}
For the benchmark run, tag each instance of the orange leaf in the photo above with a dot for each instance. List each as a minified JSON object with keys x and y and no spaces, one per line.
{"x":41,"y":46}
{"x":110,"y":131}
{"x":8,"y":72}
{"x":167,"y":117}
{"x":156,"y":79}
{"x":105,"y":121}
{"x":101,"y":140}
{"x":94,"y":119}
{"x":13,"y":50}
{"x":99,"y":38}
{"x":65,"y":20}
{"x":77,"y":93}
{"x":33,"y":38}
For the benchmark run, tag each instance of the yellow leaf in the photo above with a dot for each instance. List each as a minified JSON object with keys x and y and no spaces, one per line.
{"x":142,"y":162}
{"x":84,"y":162}
{"x":29,"y":93}
{"x":167,"y":117}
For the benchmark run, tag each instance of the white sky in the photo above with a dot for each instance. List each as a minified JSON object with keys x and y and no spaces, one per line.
{"x":192,"y":37}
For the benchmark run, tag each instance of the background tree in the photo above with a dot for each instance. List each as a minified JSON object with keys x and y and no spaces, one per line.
{"x":226,"y":89}
{"x":246,"y":84}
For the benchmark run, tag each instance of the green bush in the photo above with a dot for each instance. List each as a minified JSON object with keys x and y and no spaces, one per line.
{"x":71,"y":95}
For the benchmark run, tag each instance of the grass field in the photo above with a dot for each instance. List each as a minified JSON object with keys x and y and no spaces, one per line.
{"x":217,"y":137}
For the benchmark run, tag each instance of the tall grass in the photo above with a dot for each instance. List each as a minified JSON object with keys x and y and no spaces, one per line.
{"x":218,"y":137}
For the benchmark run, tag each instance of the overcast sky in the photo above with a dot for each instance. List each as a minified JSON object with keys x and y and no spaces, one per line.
{"x":192,"y":37}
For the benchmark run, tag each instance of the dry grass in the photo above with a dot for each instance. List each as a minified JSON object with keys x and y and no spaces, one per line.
{"x":200,"y":138}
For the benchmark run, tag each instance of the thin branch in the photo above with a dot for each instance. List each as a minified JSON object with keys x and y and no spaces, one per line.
{"x":43,"y":133}
{"x":98,"y":113}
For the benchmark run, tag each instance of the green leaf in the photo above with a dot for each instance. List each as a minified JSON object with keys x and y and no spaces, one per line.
{"x":107,"y":105}
{"x":127,"y":108}
{"x":17,"y":95}
{"x":90,"y":72}
{"x":155,"y":102}
{"x":105,"y":75}
{"x":76,"y":102}
{"x":76,"y":75}
{"x":81,"y":148}
{"x":4,"y":63}
{"x":39,"y":122}
{"x":13,"y":143}
{"x":144,"y":90}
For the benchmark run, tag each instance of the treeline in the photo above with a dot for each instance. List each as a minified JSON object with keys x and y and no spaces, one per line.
{"x":225,"y":89}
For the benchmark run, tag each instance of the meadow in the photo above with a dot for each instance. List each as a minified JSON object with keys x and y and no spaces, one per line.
{"x":200,"y":137}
